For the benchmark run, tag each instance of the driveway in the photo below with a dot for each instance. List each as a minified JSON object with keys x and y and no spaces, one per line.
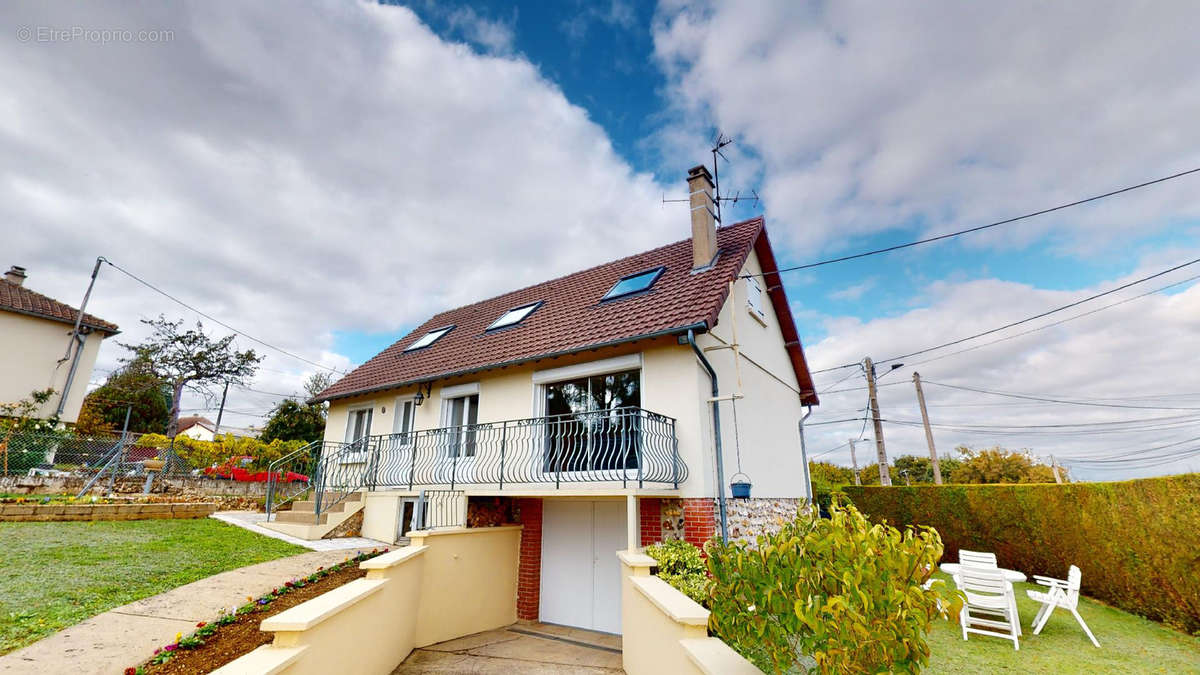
{"x":521,"y":648}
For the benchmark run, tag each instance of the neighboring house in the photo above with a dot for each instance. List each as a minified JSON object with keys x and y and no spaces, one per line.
{"x":35,"y":332}
{"x":199,"y":428}
{"x":582,"y":408}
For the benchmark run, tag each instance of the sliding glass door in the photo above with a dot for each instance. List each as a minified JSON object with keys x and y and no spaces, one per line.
{"x":593,"y":423}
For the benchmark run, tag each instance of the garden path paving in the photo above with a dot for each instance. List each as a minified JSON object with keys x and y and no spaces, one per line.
{"x":129,"y":634}
{"x":249,"y":520}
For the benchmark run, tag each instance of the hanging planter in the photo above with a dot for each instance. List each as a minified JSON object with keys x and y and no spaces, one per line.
{"x":740,"y":488}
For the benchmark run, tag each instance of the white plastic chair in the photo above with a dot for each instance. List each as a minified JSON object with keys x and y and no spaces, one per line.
{"x":990,"y":607}
{"x":1063,"y":594}
{"x":977,"y":559}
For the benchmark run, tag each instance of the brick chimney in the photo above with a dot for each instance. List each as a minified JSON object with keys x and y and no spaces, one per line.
{"x":15,"y":275}
{"x":704,"y":217}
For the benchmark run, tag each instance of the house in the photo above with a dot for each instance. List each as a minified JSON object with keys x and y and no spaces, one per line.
{"x":37,"y":350}
{"x":604,"y":410}
{"x":199,"y":428}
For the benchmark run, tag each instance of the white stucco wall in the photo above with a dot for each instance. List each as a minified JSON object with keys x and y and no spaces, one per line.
{"x":30,"y":348}
{"x":673,"y":384}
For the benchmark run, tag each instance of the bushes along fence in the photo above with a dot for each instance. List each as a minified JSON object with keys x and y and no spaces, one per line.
{"x":1137,"y":542}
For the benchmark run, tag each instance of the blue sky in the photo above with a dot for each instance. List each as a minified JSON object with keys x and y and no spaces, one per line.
{"x":329,"y":189}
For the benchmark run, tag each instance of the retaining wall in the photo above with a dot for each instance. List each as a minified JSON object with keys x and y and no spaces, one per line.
{"x":59,"y":512}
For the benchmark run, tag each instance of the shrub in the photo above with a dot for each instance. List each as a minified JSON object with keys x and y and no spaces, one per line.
{"x":681,"y":565}
{"x":837,"y":595}
{"x":1136,"y":542}
{"x":218,"y":452}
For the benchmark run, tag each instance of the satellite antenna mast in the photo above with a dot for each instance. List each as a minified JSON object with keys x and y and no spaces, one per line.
{"x":719,"y":142}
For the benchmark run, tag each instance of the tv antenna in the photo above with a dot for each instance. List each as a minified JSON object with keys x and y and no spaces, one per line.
{"x":719,"y":142}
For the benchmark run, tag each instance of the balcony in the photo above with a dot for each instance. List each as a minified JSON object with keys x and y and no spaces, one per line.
{"x":626,"y":446}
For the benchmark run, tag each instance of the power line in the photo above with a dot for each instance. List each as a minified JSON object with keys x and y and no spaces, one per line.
{"x":1055,"y":323}
{"x":978,"y":228}
{"x":1025,"y":320}
{"x":1032,"y":397}
{"x":160,"y":291}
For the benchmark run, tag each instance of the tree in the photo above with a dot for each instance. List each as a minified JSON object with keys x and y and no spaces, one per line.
{"x":999,"y":465}
{"x":192,"y":360}
{"x":292,"y":420}
{"x":134,"y":385}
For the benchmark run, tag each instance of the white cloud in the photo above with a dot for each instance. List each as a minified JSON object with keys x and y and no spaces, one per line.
{"x":333,"y":166}
{"x":495,"y":36}
{"x":853,"y":291}
{"x":868,"y":116}
{"x":1129,"y":355}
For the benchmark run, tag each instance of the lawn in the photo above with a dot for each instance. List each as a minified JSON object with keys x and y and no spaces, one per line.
{"x":1128,"y":644}
{"x":58,"y":574}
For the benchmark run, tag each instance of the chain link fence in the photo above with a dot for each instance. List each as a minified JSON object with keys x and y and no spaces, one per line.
{"x":66,"y":455}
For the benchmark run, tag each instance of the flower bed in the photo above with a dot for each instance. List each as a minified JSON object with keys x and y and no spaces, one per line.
{"x":236,"y":632}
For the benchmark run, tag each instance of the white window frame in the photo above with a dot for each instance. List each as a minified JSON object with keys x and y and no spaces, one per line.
{"x":437,"y":333}
{"x":360,"y":456}
{"x":449,"y":395}
{"x":754,"y":299}
{"x":525,"y":312}
{"x":398,"y":418}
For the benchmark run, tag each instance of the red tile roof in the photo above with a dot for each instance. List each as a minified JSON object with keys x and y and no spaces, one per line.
{"x":572,"y":318}
{"x":19,"y":299}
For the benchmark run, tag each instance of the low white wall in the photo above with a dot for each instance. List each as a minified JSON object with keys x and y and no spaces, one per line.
{"x":447,"y":584}
{"x":664,"y":631}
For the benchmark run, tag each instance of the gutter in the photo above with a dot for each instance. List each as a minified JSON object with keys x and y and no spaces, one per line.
{"x":505,"y":364}
{"x":808,"y":490}
{"x":716,"y":414}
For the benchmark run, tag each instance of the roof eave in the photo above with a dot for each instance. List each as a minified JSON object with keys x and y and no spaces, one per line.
{"x":678,"y":330}
{"x":108,"y":332}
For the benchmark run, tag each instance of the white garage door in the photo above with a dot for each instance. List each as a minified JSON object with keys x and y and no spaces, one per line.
{"x":581,"y":576}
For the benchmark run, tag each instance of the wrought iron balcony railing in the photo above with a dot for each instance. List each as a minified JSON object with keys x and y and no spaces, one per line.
{"x":620,"y":445}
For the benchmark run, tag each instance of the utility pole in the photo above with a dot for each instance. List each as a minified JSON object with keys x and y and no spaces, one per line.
{"x":1054,"y":468}
{"x":221,"y":411}
{"x":854,"y":462}
{"x":937,"y":469}
{"x":77,"y":340}
{"x":885,"y":477}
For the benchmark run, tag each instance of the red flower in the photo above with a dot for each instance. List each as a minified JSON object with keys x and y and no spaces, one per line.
{"x":131,"y":671}
{"x":200,"y":625}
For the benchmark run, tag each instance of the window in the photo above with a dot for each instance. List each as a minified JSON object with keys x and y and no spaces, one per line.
{"x":404,"y":424}
{"x":514,"y":316}
{"x":754,"y":297}
{"x":429,"y":338}
{"x":462,"y":414}
{"x":593,"y":423}
{"x":358,"y":425}
{"x":634,"y":283}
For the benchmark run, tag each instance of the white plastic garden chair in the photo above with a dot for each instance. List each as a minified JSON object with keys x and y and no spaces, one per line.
{"x":977,"y":559}
{"x":990,"y":607}
{"x":1063,"y":594}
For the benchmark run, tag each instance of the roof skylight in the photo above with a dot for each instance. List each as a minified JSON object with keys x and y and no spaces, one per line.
{"x":429,"y":338}
{"x":515,"y":315}
{"x":634,"y":283}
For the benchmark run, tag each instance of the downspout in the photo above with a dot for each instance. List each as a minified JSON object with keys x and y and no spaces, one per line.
{"x":808,"y":491}
{"x":716,"y":415}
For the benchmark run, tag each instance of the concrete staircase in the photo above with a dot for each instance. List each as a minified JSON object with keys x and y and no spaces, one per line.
{"x":303,"y":522}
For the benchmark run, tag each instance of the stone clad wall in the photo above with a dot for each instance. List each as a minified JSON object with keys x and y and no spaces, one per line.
{"x":749,"y":518}
{"x":50,"y":485}
{"x":695,"y":520}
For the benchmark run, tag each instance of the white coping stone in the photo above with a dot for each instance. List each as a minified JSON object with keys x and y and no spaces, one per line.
{"x":312,"y":612}
{"x":714,"y":657}
{"x":674,"y":604}
{"x":266,"y":660}
{"x":633,"y":559}
{"x":392,"y":558}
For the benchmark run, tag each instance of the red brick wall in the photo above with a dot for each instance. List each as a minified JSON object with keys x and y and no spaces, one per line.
{"x":529,"y":577}
{"x":650,"y":525}
{"x":699,"y":520}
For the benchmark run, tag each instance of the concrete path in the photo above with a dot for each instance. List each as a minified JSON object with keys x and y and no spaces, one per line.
{"x":128,"y":635}
{"x":249,"y":520}
{"x":536,"y":649}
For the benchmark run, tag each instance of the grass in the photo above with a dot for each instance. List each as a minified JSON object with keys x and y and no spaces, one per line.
{"x":58,"y":574}
{"x":1128,"y":644}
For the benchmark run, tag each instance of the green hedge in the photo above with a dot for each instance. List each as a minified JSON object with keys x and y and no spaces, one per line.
{"x":1136,"y":542}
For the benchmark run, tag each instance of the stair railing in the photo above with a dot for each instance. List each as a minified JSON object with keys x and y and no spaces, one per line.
{"x":301,"y":465}
{"x":348,"y":469}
